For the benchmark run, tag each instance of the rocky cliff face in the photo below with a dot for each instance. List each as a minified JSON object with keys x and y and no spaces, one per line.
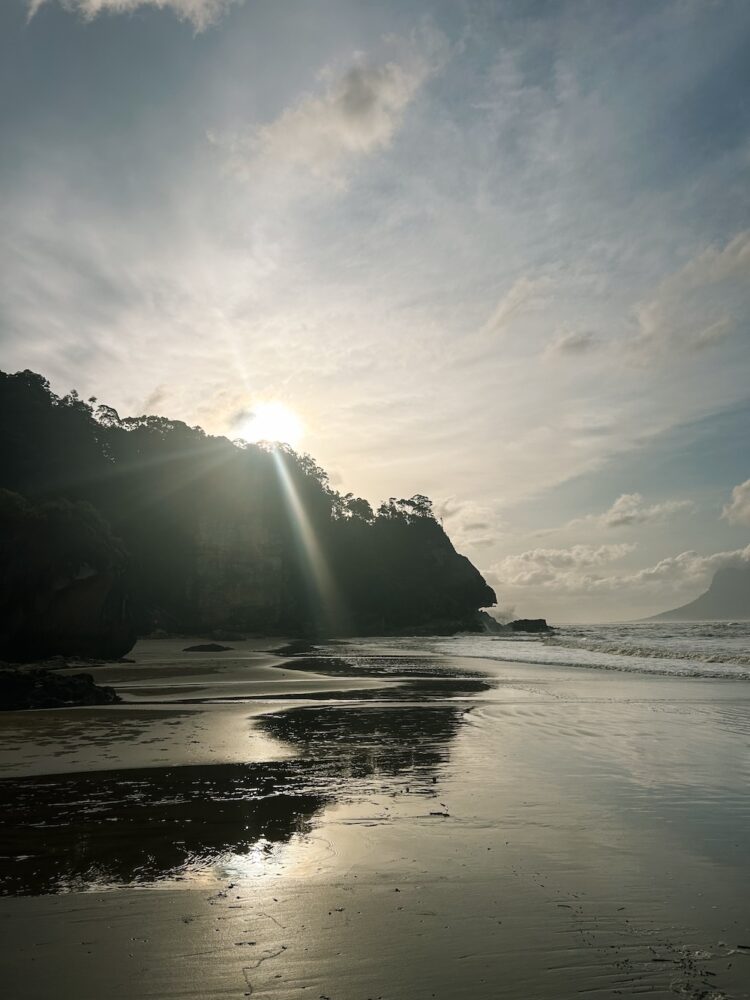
{"x":237,"y":580}
{"x":391,"y":577}
{"x":407,"y":576}
{"x":63,"y":583}
{"x":83,"y":615}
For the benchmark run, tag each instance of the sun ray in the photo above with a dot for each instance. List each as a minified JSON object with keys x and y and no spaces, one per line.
{"x":324,"y":586}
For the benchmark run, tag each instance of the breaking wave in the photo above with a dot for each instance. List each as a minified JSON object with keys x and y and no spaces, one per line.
{"x":697,"y":652}
{"x":709,"y":650}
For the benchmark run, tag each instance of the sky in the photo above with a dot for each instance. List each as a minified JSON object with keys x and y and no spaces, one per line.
{"x":493,"y":252}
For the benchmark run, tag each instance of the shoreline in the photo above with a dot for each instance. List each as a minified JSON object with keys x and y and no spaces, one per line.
{"x":495,"y":827}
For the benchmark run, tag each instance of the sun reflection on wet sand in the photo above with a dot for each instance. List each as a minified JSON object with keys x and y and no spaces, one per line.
{"x":453,"y":833}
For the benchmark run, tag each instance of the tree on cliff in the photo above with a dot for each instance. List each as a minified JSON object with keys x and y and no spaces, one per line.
{"x":232,"y":534}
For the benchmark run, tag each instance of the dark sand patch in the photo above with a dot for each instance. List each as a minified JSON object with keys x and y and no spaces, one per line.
{"x":447,"y":830}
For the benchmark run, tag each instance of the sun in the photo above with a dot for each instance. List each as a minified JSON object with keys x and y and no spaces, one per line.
{"x":272,"y":422}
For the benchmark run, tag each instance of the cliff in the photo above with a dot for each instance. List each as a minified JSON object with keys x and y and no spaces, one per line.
{"x":405,"y":575}
{"x":216,"y":535}
{"x":728,"y":598}
{"x":236,"y":577}
{"x":62,"y":583}
{"x":390,"y":575}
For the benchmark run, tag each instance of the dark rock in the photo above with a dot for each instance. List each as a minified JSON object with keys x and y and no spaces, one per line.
{"x":206,"y":647}
{"x":86,"y":618}
{"x":530,"y":625}
{"x":36,"y":688}
{"x":298,"y":647}
{"x":486,"y":623}
{"x":62,"y":583}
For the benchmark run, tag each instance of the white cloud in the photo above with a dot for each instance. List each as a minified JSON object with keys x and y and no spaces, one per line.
{"x":124,"y":274}
{"x":200,"y":13}
{"x":630,"y":509}
{"x":687,"y":568}
{"x":571,"y":570}
{"x":563,"y":568}
{"x":697,"y":307}
{"x":469,"y":523}
{"x":571,"y":343}
{"x":358,"y":112}
{"x":738,"y":510}
{"x":523,"y":293}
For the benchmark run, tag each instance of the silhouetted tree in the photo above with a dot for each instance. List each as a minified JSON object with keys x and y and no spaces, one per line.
{"x":211,"y":524}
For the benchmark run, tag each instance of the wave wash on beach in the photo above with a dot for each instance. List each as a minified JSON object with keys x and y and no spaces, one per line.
{"x":389,"y":817}
{"x":701,"y":649}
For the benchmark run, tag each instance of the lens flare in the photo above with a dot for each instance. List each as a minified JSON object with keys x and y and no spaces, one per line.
{"x":272,"y":422}
{"x":319,"y":574}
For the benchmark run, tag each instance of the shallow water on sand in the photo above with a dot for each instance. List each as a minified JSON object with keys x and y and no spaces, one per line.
{"x":672,"y":649}
{"x":442,"y":827}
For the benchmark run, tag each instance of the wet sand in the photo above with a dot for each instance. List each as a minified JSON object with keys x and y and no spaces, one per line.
{"x":375,"y":824}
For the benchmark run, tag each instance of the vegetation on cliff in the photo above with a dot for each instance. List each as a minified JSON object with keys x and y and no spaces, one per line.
{"x":222,"y":534}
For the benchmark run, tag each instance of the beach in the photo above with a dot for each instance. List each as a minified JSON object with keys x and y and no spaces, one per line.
{"x":391,"y":819}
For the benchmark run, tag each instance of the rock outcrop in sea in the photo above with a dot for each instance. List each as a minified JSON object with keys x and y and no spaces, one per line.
{"x":534,"y":625}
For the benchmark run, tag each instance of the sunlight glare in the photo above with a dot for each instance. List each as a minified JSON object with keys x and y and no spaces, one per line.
{"x":273,"y":422}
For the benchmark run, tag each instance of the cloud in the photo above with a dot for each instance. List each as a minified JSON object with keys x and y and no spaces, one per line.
{"x":200,"y":13}
{"x":698,"y":306}
{"x":469,"y":523}
{"x":525,"y":291}
{"x":687,"y":568}
{"x":572,"y":570}
{"x":573,"y":343}
{"x":738,"y":511}
{"x":358,"y":113}
{"x":155,"y":399}
{"x":562,"y":568}
{"x":123,"y":273}
{"x":629,"y":509}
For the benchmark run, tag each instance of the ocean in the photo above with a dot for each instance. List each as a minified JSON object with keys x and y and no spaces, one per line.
{"x":677,"y":649}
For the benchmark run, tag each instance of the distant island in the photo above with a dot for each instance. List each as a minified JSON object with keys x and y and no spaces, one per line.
{"x":116,"y":527}
{"x":728,"y":598}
